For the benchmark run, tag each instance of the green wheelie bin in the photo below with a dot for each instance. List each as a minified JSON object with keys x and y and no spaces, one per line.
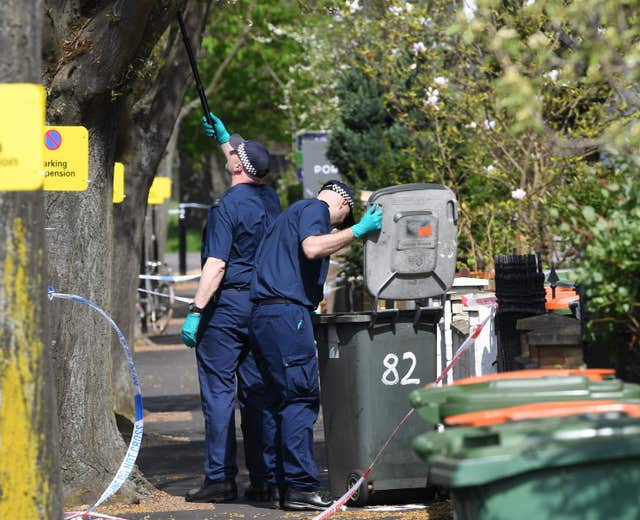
{"x":434,"y":404}
{"x":575,"y":467}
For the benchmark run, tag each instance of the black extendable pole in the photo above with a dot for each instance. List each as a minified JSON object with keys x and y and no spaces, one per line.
{"x":182,"y":241}
{"x":194,"y":69}
{"x":154,"y":239}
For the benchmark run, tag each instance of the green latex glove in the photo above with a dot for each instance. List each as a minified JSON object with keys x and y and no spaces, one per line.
{"x":190,"y":329}
{"x":370,"y":221}
{"x":217,"y":130}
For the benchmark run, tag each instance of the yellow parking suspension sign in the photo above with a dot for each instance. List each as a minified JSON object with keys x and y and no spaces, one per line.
{"x":159,"y":191}
{"x":118,"y":182}
{"x":66,"y":158}
{"x":23,"y":110}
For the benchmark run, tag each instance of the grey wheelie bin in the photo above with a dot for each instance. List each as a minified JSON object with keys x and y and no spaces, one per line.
{"x":368,"y":364}
{"x":370,"y":361}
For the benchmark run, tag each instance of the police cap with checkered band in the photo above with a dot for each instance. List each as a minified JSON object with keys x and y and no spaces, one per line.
{"x":253,"y":155}
{"x":343,"y":190}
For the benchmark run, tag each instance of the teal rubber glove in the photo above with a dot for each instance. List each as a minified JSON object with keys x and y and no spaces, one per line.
{"x":190,"y":329}
{"x":217,"y":130}
{"x":370,"y":221}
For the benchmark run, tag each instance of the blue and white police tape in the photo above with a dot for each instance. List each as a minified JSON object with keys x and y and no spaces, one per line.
{"x":171,"y":297}
{"x":466,"y":345}
{"x":169,"y":278}
{"x":102,"y":516}
{"x":136,"y":437}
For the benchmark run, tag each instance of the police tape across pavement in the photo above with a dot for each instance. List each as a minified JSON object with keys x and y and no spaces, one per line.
{"x":136,"y":437}
{"x":134,"y":446}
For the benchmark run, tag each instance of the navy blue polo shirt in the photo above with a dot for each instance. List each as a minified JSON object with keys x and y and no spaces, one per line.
{"x":235,"y":228}
{"x":282,"y":269}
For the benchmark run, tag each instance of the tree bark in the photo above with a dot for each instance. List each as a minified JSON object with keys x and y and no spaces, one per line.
{"x":153,"y":114}
{"x":29,"y":473}
{"x":100,"y":49}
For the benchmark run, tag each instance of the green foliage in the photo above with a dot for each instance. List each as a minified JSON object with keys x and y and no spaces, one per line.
{"x":366,"y":145}
{"x":194,"y":237}
{"x":608,"y":235}
{"x":519,"y":107}
{"x":508,"y":107}
{"x":277,"y":83}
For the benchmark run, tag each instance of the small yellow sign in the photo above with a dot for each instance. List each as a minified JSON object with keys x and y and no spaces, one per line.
{"x":160,"y":190}
{"x":118,"y":182}
{"x":23,"y":110}
{"x":66,"y":158}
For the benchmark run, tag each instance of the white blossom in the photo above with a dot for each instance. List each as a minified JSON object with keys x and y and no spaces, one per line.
{"x":489,"y":124}
{"x":529,"y":3}
{"x":413,"y":66}
{"x":427,"y":22}
{"x":518,"y":194}
{"x":408,"y":7}
{"x":469,"y":8}
{"x":395,"y":10}
{"x":354,"y":6}
{"x":489,"y":169}
{"x":441,"y":81}
{"x":275,"y":30}
{"x":419,"y":47}
{"x":433,"y":96}
{"x":471,"y":125}
{"x":552,"y":75}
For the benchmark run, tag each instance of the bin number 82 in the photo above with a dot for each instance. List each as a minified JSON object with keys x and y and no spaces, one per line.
{"x":391,"y":377}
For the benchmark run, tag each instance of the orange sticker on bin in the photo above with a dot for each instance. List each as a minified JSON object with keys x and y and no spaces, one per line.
{"x":425,"y":231}
{"x":593,"y":374}
{"x":541,"y":411}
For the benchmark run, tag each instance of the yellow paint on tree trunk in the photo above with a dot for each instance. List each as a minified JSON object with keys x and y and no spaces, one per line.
{"x":24,"y":490}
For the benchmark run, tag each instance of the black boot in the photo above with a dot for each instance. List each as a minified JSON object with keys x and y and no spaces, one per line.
{"x":264,"y":493}
{"x":213,"y":491}
{"x":297,"y":500}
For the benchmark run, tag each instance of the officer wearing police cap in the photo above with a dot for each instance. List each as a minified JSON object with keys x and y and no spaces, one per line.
{"x":291,"y":266}
{"x":217,"y":324}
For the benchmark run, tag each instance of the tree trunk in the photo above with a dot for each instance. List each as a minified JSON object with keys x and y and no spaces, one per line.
{"x":153,"y":116}
{"x":99,"y":49}
{"x":29,"y":473}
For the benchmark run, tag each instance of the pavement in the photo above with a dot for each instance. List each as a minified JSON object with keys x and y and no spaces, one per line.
{"x":172,"y":453}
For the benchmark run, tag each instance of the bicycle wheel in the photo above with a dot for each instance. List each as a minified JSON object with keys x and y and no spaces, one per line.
{"x":160,"y":308}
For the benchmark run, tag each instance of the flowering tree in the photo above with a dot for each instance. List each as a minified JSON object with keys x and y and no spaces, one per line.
{"x":493,"y":102}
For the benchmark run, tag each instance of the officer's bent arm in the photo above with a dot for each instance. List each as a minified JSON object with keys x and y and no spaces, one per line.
{"x":210,"y":279}
{"x":226,"y":149}
{"x":319,"y":246}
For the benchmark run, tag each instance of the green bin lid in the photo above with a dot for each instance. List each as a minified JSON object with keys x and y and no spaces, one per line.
{"x":433,"y":404}
{"x":459,"y":457}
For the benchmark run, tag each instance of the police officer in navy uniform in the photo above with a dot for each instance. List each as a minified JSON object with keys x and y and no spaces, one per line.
{"x":217,"y":324}
{"x":291,"y":267}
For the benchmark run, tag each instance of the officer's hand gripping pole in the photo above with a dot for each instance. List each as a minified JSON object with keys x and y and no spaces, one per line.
{"x":194,"y":69}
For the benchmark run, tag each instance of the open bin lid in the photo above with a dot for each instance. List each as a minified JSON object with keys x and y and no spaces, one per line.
{"x":414,"y":254}
{"x":593,"y":374}
{"x":543,"y":411}
{"x":436,"y":403}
